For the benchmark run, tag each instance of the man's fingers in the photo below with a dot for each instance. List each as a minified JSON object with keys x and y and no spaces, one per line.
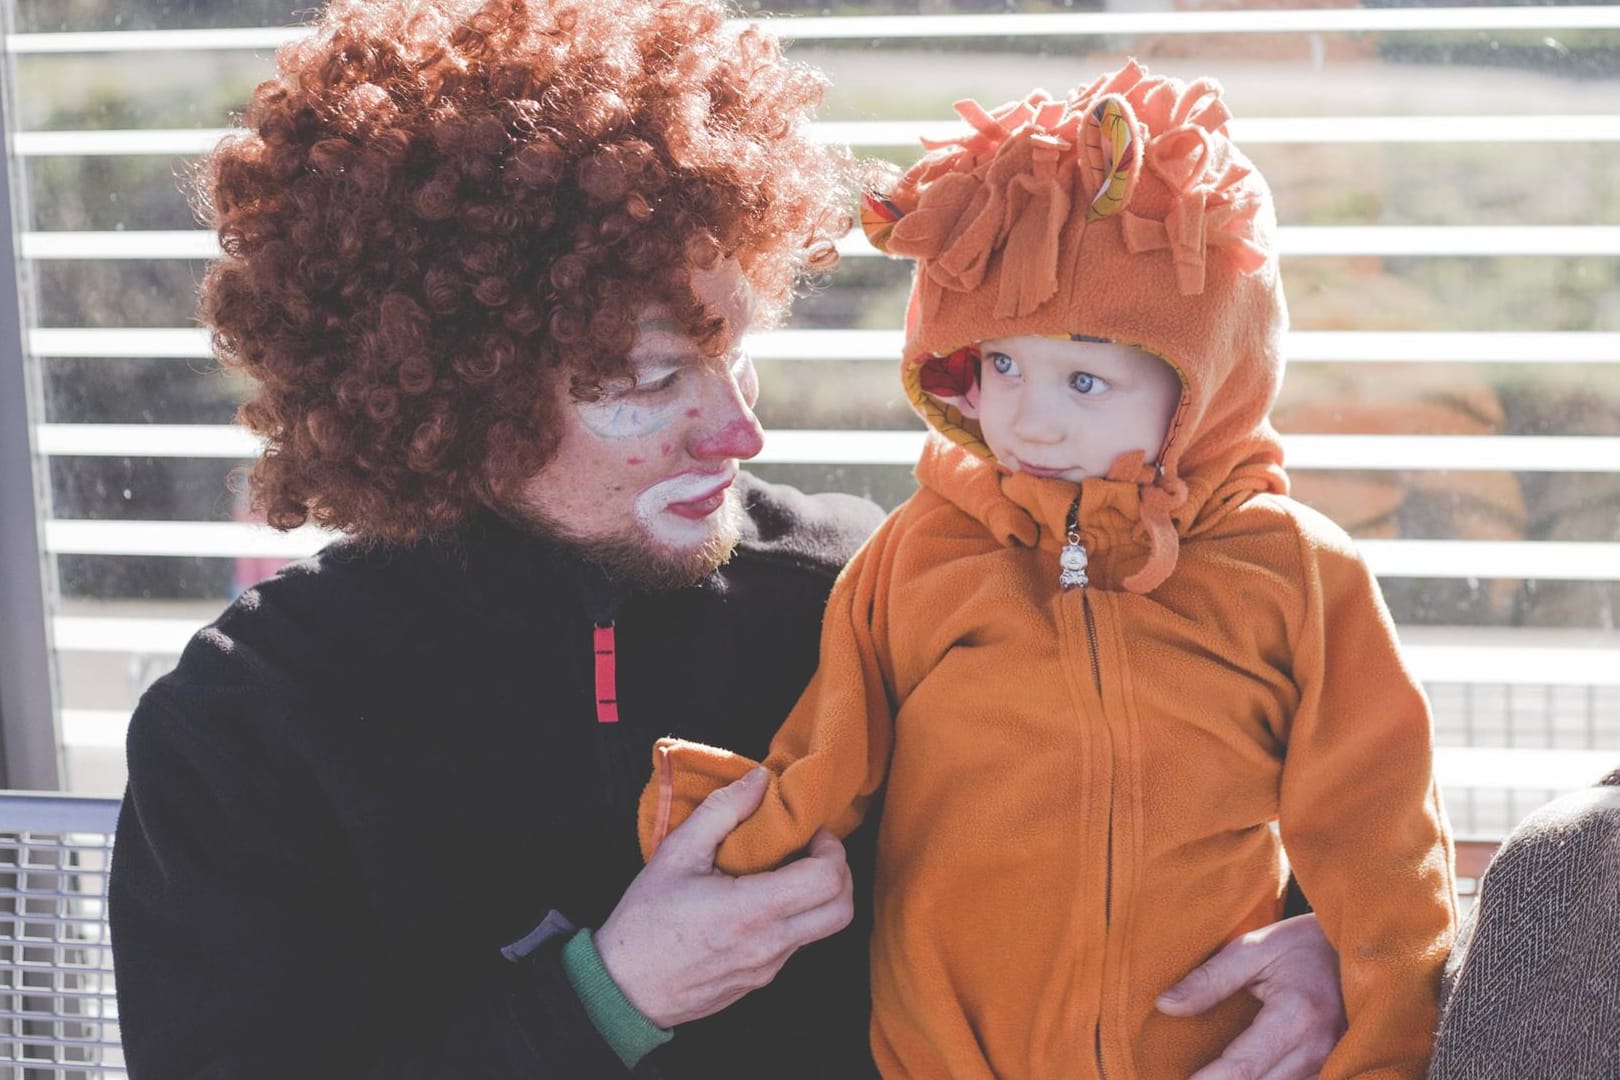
{"x":825,"y":845}
{"x":696,"y":839}
{"x":1297,"y":1064}
{"x":819,"y":922}
{"x":1213,"y":981}
{"x":1300,"y":1064}
{"x":1251,"y":1056}
{"x":820,"y":877}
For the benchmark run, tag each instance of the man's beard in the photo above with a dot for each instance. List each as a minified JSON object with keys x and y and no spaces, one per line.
{"x":635,"y":556}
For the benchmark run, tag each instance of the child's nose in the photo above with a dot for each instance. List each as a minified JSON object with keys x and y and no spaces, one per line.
{"x":1037,"y":422}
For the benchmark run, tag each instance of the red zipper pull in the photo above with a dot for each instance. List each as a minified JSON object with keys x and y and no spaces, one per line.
{"x":607,"y":680}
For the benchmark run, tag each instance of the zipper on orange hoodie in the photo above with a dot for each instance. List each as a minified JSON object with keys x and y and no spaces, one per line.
{"x":1072,"y":562}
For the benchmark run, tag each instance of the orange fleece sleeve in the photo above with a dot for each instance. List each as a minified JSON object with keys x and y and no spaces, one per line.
{"x":825,"y":762}
{"x":1361,"y":817}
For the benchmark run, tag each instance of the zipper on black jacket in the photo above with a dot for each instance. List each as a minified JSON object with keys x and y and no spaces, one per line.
{"x":602,"y":599}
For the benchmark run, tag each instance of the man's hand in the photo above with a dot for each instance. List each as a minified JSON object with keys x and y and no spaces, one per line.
{"x":686,"y":940}
{"x":1294,"y":972}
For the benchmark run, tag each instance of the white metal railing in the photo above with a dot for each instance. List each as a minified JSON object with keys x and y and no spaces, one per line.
{"x":1500,"y":768}
{"x":58,"y":1002}
{"x":1526,"y":128}
{"x":1517,"y":657}
{"x":903,"y":27}
{"x":1448,"y":656}
{"x":1495,"y":453}
{"x":1543,"y":560}
{"x":1301,"y":346}
{"x":1292,"y":242}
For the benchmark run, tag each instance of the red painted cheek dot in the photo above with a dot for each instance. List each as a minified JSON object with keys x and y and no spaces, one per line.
{"x":635,"y":461}
{"x":693,"y":414}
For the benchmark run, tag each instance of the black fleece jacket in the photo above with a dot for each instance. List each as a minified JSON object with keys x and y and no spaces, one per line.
{"x":381,"y":766}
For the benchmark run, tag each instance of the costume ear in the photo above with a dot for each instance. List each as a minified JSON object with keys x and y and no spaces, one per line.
{"x":1111,"y":154}
{"x":879,"y":215}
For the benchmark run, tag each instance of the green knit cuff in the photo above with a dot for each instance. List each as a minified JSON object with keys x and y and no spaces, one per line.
{"x":631,"y":1035}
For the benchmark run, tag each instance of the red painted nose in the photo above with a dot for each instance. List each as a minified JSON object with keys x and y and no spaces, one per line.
{"x":740,"y":438}
{"x":727,"y":426}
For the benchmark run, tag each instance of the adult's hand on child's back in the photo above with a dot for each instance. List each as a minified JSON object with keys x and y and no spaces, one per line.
{"x":1292,"y":969}
{"x":686,"y":940}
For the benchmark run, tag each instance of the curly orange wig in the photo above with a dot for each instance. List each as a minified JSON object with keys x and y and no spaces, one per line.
{"x":440,"y":205}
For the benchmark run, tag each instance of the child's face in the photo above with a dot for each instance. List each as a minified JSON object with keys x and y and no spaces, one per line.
{"x":1067,"y":409}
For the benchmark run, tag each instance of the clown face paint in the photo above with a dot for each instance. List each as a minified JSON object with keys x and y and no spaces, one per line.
{"x":646,"y":404}
{"x":641,"y":480}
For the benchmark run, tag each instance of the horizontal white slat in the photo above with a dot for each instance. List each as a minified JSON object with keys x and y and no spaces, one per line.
{"x":1515,"y":656}
{"x":246,"y":38}
{"x":1446,"y":241}
{"x":172,"y":142}
{"x":144,"y":244}
{"x":1253,"y":131}
{"x":1436,"y":654}
{"x":1228,"y":21}
{"x":1521,"y":768}
{"x":146,"y":440}
{"x":206,"y":539}
{"x":1511,"y":453}
{"x":1453,"y":346}
{"x":1471,"y":559}
{"x":122,"y":342}
{"x":1489,"y":768}
{"x":1507,"y":453}
{"x":839,"y":345}
{"x":116,"y":633}
{"x":1515,"y":665}
{"x":1001,"y":25}
{"x":1300,"y":241}
{"x":94,"y":729}
{"x":1491,"y":559}
{"x":1303,"y":346}
{"x":1411,"y":241}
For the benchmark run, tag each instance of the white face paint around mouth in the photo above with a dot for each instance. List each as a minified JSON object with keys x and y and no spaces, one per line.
{"x":678,"y":510}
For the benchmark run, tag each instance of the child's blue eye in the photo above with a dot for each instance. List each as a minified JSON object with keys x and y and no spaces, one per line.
{"x":1086,"y":383}
{"x":1002,"y":363}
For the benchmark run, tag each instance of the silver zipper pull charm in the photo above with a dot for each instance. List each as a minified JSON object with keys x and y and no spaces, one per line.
{"x":1073,"y":559}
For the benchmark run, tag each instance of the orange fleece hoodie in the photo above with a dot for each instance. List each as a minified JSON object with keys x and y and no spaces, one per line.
{"x":1088,"y":790}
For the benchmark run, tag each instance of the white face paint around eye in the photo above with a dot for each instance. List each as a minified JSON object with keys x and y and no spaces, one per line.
{"x":634,"y":410}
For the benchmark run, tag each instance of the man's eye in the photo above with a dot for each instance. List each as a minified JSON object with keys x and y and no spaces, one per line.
{"x":661,"y":383}
{"x":1086,"y":383}
{"x":1002,"y":363}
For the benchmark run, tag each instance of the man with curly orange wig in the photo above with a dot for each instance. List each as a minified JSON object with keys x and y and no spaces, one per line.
{"x":487,"y":264}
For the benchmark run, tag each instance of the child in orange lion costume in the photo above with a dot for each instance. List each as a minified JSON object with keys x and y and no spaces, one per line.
{"x":1100,"y":653}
